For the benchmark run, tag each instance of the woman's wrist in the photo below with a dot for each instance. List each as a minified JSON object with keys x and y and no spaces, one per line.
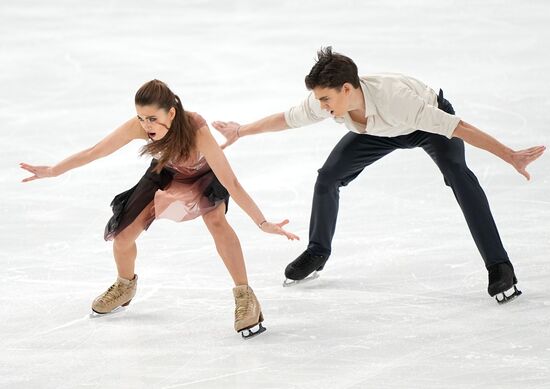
{"x":260,"y":224}
{"x":52,"y":172}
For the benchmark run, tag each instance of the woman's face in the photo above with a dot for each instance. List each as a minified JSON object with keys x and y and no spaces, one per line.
{"x":155,"y":121}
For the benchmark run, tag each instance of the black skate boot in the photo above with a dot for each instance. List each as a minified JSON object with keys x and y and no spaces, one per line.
{"x":502,"y":283}
{"x":304,"y":268}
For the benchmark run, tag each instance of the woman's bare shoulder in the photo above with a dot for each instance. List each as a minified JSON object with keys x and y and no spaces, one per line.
{"x":135,"y":130}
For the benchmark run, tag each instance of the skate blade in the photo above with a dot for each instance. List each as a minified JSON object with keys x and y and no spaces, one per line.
{"x":119,"y":309}
{"x":253,"y":331}
{"x":507,"y":296}
{"x":311,"y":277}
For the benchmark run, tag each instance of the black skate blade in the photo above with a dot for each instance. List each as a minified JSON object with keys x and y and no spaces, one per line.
{"x":507,"y":296}
{"x":253,"y":331}
{"x":287,"y":282}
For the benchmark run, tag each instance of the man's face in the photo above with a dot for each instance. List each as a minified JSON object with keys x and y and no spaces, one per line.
{"x":333,"y":100}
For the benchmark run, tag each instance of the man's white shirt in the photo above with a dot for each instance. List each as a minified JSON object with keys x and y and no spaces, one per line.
{"x":395,"y":105}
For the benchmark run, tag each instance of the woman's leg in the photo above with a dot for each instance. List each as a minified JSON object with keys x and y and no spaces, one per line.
{"x":248,"y":312}
{"x":227,"y":244}
{"x":124,"y":245}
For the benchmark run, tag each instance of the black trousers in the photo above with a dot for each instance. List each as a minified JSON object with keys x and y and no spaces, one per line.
{"x":354,"y":152}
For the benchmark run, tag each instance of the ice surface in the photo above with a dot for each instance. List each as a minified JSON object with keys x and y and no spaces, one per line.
{"x":402,"y":303}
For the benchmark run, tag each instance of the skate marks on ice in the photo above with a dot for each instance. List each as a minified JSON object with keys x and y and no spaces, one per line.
{"x":214,"y":378}
{"x":392,"y":334}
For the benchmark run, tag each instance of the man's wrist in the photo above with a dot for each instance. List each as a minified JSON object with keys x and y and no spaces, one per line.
{"x":507,"y":154}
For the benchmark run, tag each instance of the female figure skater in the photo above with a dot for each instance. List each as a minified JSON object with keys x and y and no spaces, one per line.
{"x":187,"y":178}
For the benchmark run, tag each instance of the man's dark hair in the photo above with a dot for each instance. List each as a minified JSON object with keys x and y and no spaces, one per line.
{"x":332,"y":70}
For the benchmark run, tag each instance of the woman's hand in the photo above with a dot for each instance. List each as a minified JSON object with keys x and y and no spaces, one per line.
{"x":230,"y":130}
{"x":277,"y":228}
{"x":520,"y":159}
{"x":37,"y":171}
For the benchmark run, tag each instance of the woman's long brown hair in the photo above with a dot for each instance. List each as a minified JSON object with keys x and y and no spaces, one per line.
{"x":178,"y":143}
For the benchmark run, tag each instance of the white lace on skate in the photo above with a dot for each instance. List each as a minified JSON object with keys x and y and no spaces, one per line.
{"x":110,"y":297}
{"x":113,"y":293}
{"x":508,"y":295}
{"x":288,"y":282}
{"x":240,"y":310}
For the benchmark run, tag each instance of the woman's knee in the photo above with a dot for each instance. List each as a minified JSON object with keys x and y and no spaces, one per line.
{"x":215,"y":219}
{"x":124,"y":240}
{"x":127,"y":237}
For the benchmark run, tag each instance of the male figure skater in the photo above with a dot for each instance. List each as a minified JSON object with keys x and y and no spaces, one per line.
{"x":385,"y":112}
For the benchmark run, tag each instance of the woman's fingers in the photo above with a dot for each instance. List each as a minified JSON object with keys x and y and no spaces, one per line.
{"x":276,"y":228}
{"x":37,"y":171}
{"x":27,"y":167}
{"x":29,"y":179}
{"x":283,"y":223}
{"x":218,"y":124}
{"x":289,"y":235}
{"x":281,"y":230}
{"x":293,"y":237}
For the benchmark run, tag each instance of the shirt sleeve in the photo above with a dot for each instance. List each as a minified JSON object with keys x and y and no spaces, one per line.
{"x":409,"y":109}
{"x":307,"y":112}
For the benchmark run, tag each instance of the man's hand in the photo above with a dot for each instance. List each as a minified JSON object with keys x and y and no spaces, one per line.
{"x":520,"y":159}
{"x":230,"y":130}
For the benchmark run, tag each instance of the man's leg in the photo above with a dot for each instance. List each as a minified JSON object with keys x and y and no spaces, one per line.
{"x":448,"y":154}
{"x":348,"y":158}
{"x":449,"y":157}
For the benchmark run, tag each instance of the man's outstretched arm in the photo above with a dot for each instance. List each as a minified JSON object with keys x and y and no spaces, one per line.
{"x":305,"y":113}
{"x":518,"y":159}
{"x":233,"y":131}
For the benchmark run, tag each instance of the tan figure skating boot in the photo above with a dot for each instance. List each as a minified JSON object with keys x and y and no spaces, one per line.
{"x":119,"y":294}
{"x":248,"y":312}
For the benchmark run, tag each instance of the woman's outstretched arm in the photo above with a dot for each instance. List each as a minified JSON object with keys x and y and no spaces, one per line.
{"x":115,"y":140}
{"x":215,"y":157}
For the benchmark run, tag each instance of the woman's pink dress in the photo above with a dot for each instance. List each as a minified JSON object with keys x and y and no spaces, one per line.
{"x":181,"y":191}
